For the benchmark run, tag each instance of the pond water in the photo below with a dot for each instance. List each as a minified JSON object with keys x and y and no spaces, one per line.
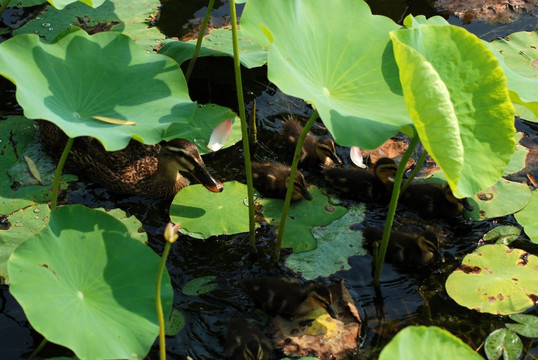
{"x":402,"y":299}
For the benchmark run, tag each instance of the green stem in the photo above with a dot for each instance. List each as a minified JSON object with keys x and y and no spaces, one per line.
{"x":291,"y":181}
{"x":415,"y":170}
{"x":3,"y":6}
{"x":244,"y":131}
{"x":199,"y":41}
{"x":57,"y":176}
{"x":158,"y":302}
{"x":38,"y":349}
{"x":380,"y":256}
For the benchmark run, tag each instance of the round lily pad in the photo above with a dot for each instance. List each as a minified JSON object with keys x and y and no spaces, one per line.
{"x":527,"y":217}
{"x":199,"y":285}
{"x":505,"y":343}
{"x":92,"y":297}
{"x":495,"y":279}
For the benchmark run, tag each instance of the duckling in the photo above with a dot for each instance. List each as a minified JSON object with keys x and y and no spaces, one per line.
{"x":361,"y":184}
{"x":148,"y":170}
{"x":432,"y":200}
{"x":406,"y":249}
{"x":288,"y":296}
{"x":246,"y":341}
{"x":272,"y":180}
{"x":316,"y":149}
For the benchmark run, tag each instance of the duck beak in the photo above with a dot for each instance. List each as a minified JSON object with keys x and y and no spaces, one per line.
{"x":331,"y":311}
{"x":203,"y":176}
{"x":335,"y":158}
{"x":466,"y":204}
{"x":306,"y":194}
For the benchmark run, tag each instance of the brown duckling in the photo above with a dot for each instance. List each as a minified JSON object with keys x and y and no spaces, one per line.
{"x":316,"y":149}
{"x":433,"y":201}
{"x":406,"y":249}
{"x":288,"y":296}
{"x":363,"y":185}
{"x":271,"y":179}
{"x":245,"y":341}
{"x":147,"y":170}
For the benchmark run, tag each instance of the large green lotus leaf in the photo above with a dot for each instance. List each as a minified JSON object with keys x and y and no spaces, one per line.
{"x":505,"y":343}
{"x":427,"y":342}
{"x":503,"y":198}
{"x":127,"y":17}
{"x":336,"y":55}
{"x":336,"y":242}
{"x":527,"y":217}
{"x":205,"y":119}
{"x":203,"y":214}
{"x":518,"y":55}
{"x":217,"y":43}
{"x":80,"y":76}
{"x":495,"y":279}
{"x":18,"y":186}
{"x":93,"y":297}
{"x":28,"y":222}
{"x":456,"y":95}
{"x":302,"y":217}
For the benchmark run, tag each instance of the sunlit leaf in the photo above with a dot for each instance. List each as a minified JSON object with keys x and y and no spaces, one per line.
{"x":504,"y":234}
{"x":421,"y":342}
{"x":527,"y":217}
{"x":495,"y":279}
{"x":505,"y":343}
{"x":93,"y":298}
{"x":60,"y":4}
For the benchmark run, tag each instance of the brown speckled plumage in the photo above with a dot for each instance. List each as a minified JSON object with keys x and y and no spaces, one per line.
{"x":433,"y":201}
{"x":271,"y":179}
{"x":147,"y":170}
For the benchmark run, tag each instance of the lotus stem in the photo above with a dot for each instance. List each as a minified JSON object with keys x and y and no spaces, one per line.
{"x":38,"y":349}
{"x":415,"y":170}
{"x":380,"y":256}
{"x":199,"y":40}
{"x":291,"y":181}
{"x":244,"y":130}
{"x":3,"y":6}
{"x":253,"y":136}
{"x":57,"y":176}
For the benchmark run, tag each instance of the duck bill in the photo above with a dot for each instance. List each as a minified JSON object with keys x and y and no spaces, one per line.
{"x":306,"y":194}
{"x":203,"y":176}
{"x":335,"y":159}
{"x":331,"y":312}
{"x":466,"y":204}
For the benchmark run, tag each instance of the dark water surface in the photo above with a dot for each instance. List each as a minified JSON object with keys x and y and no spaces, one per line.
{"x":403,"y":299}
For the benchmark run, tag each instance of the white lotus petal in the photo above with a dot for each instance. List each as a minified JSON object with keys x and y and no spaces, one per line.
{"x":220,"y":135}
{"x":356,"y":156}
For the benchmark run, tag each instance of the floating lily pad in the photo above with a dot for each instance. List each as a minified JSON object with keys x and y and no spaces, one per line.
{"x":203,"y":214}
{"x":505,"y":343}
{"x":495,"y":279}
{"x":93,"y":298}
{"x":18,"y":187}
{"x":217,"y":43}
{"x":528,"y":325}
{"x":128,"y":17}
{"x":200,"y":285}
{"x":421,"y":342}
{"x":527,"y":217}
{"x":502,"y":234}
{"x":302,"y":216}
{"x":336,"y":242}
{"x":175,"y":323}
{"x":518,"y":55}
{"x":105,"y":74}
{"x":503,"y":198}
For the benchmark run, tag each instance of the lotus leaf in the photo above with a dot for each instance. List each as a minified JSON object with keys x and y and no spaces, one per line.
{"x":17,"y":140}
{"x":199,"y":285}
{"x":337,"y":56}
{"x":127,"y":17}
{"x":528,"y":325}
{"x":203,"y":214}
{"x":25,"y":3}
{"x":456,"y":95}
{"x":217,"y":43}
{"x":421,"y":342}
{"x":495,"y":279}
{"x":504,"y":234}
{"x":93,"y":298}
{"x":527,"y":217}
{"x":336,"y":242}
{"x":505,"y":343}
{"x":517,"y":163}
{"x":518,"y":55}
{"x":503,"y":198}
{"x":302,"y":216}
{"x":60,"y":4}
{"x":175,"y":323}
{"x":79,"y":76}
